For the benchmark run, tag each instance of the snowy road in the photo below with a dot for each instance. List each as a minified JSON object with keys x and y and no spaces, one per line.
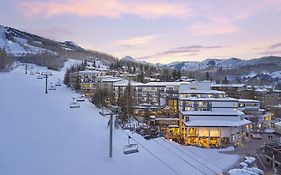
{"x":41,"y":135}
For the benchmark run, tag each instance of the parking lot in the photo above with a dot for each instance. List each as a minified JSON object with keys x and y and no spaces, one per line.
{"x":249,"y":147}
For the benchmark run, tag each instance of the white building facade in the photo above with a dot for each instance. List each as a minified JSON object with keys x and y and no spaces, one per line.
{"x":209,"y":118}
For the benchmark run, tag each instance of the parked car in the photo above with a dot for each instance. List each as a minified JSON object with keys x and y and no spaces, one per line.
{"x":256,"y":136}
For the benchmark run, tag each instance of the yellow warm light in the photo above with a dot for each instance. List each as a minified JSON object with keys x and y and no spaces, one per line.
{"x":204,"y":132}
{"x":214,"y":132}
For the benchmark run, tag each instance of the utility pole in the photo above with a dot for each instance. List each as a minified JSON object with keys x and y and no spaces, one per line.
{"x":46,"y":85}
{"x":110,"y":135}
{"x":110,"y":131}
{"x":25,"y":68}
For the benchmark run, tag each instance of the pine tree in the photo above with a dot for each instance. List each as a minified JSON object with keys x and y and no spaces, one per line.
{"x":128,"y":100}
{"x":174,"y":74}
{"x":77,"y":83}
{"x":207,"y":76}
{"x":225,"y":81}
{"x":66,"y":77}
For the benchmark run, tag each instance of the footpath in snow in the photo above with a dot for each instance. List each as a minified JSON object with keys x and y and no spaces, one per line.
{"x":41,"y":135}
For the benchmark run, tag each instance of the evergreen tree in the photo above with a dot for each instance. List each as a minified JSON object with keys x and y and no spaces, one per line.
{"x":179,"y":74}
{"x":207,"y":76}
{"x":6,"y":61}
{"x":174,"y":74}
{"x":77,"y":83}
{"x":128,"y":98}
{"x":66,"y":77}
{"x":225,"y":81}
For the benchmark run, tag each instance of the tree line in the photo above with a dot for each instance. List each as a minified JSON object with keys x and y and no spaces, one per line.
{"x":6,"y":61}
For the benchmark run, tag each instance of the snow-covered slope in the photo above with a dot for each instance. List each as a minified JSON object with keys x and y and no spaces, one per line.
{"x":19,"y":43}
{"x":40,"y":134}
{"x":13,"y":44}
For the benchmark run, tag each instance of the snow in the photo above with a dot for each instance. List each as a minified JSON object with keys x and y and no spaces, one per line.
{"x":40,"y":134}
{"x":217,"y":122}
{"x":17,"y":48}
{"x":241,"y":172}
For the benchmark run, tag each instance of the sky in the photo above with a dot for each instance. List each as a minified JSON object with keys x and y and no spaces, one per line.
{"x":157,"y":31}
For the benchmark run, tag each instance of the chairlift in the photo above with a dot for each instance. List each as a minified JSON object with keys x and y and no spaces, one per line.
{"x":130,"y":148}
{"x":58,"y":83}
{"x":39,"y":77}
{"x":80,"y":99}
{"x":52,"y":87}
{"x":74,"y":104}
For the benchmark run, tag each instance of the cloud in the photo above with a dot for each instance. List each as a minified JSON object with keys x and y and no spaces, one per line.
{"x":273,"y":52}
{"x":274,"y":46}
{"x":215,"y":27}
{"x":273,"y":49}
{"x":108,"y":8}
{"x":184,"y":51}
{"x":135,"y":41}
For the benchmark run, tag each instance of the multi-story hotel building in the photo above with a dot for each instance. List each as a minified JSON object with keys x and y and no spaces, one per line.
{"x":209,"y":118}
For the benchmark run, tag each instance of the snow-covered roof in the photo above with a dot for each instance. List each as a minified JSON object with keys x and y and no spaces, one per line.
{"x":248,"y":101}
{"x":278,"y":124}
{"x":186,"y":91}
{"x":125,"y":82}
{"x":89,"y":72}
{"x":174,"y":83}
{"x":111,"y":79}
{"x":217,"y":122}
{"x":228,"y":85}
{"x":209,"y":99}
{"x":204,"y":113}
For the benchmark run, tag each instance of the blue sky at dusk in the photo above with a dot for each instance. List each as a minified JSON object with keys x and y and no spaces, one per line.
{"x":155,"y":30}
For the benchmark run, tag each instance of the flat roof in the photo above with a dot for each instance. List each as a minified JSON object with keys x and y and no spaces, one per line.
{"x":249,"y":100}
{"x":211,"y":113}
{"x":89,"y":72}
{"x":186,"y":91}
{"x":209,"y":99}
{"x":228,"y":85}
{"x":217,"y":122}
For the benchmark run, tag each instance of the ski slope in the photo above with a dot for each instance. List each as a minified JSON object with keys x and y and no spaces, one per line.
{"x":41,"y":135}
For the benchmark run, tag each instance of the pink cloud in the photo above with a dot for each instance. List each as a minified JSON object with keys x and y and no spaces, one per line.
{"x":135,"y":41}
{"x":213,"y":28}
{"x":108,"y":8}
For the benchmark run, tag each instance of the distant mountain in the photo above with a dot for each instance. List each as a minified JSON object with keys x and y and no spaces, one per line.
{"x":230,"y":63}
{"x":131,"y":59}
{"x":20,"y":44}
{"x":128,"y":58}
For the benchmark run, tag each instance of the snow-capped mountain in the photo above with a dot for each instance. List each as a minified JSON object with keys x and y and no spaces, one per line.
{"x":128,"y":58}
{"x":19,"y":43}
{"x":230,"y":63}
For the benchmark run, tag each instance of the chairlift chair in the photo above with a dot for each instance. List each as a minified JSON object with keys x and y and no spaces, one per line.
{"x":74,"y":104}
{"x":58,"y":83}
{"x":39,"y":77}
{"x":130,"y":148}
{"x":52,"y":87}
{"x":80,"y":99}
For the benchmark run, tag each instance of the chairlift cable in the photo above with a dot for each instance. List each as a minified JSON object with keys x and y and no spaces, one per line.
{"x":193,"y":153}
{"x":164,"y":163}
{"x":182,"y":158}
